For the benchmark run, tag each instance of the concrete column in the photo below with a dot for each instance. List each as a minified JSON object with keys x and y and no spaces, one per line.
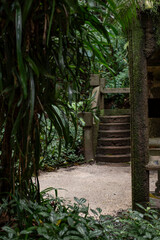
{"x":102,"y":86}
{"x":88,"y":135}
{"x":139,"y":114}
{"x":94,"y":80}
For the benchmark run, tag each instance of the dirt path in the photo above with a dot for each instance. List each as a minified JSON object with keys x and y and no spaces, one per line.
{"x":104,"y":186}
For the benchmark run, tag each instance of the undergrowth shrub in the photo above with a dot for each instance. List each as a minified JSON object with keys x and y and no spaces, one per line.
{"x":53,"y":154}
{"x":53,"y":218}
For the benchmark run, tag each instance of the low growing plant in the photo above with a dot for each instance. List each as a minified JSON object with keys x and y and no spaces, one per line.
{"x":53,"y":218}
{"x":55,"y":155}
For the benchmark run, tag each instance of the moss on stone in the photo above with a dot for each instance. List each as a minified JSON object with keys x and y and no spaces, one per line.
{"x":139,"y":114}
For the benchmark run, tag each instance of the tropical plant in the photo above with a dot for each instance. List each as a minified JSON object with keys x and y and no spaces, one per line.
{"x":51,"y":157}
{"x":44,"y":64}
{"x":53,"y":218}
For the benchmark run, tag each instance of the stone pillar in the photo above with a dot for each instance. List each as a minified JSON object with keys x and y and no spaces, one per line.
{"x":88,"y":135}
{"x":94,"y":80}
{"x":102,"y":86}
{"x":139,"y":114}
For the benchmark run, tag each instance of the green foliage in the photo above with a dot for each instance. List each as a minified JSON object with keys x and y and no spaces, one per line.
{"x":119,"y":77}
{"x":44,"y":65}
{"x":140,"y":226}
{"x":55,"y":219}
{"x":86,"y":105}
{"x":46,"y":50}
{"x":112,"y":62}
{"x":50,"y":154}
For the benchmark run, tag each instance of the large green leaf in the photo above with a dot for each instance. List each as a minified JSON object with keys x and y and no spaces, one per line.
{"x":95,"y":23}
{"x":56,"y":122}
{"x":51,"y":21}
{"x":33,"y":65}
{"x":99,"y":55}
{"x":73,"y":4}
{"x":60,"y":115}
{"x":18,"y":25}
{"x":31,"y":100}
{"x":60,"y":53}
{"x":26,"y":9}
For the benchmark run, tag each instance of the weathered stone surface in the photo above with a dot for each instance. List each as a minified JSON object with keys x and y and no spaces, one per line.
{"x":154,"y":142}
{"x":102,"y":87}
{"x":115,"y":90}
{"x":154,"y":127}
{"x":102,"y":82}
{"x":95,"y":136}
{"x":116,"y":112}
{"x":139,"y":113}
{"x":154,"y":163}
{"x":114,"y":133}
{"x":114,"y":126}
{"x":113,"y":158}
{"x":154,"y":151}
{"x":114,"y":141}
{"x":96,"y":94}
{"x":113,"y":150}
{"x":88,"y":135}
{"x":88,"y":144}
{"x":115,"y":119}
{"x":95,"y":80}
{"x":150,"y":39}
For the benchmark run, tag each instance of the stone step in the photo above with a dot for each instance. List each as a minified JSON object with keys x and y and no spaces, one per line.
{"x":154,"y":142}
{"x":114,"y":126}
{"x":113,"y":150}
{"x":154,"y":151}
{"x":115,"y":119}
{"x":112,"y":158}
{"x":114,"y":141}
{"x":114,"y":133}
{"x":115,"y":112}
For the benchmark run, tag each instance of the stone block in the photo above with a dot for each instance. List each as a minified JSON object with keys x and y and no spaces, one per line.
{"x":95,"y":137}
{"x":95,"y":80}
{"x":102,"y":82}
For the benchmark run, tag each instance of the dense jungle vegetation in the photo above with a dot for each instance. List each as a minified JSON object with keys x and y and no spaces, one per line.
{"x":48,"y":49}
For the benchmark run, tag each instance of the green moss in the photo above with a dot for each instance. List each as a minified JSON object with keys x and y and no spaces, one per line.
{"x":157,"y":34}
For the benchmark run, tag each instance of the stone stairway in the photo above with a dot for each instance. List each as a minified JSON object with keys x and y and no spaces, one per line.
{"x":113,"y":139}
{"x":154,"y":146}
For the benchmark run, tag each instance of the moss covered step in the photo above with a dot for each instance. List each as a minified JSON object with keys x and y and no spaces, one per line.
{"x":114,"y":133}
{"x":115,"y":119}
{"x":115,"y":112}
{"x":113,"y":158}
{"x":154,"y":151}
{"x":114,"y":126}
{"x":114,"y":141}
{"x":113,"y":150}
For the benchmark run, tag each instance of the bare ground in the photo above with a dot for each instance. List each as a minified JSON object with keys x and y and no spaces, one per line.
{"x":105,"y":186}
